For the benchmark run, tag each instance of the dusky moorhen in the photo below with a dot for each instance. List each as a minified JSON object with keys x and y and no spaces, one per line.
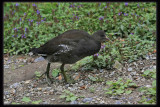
{"x":70,"y":47}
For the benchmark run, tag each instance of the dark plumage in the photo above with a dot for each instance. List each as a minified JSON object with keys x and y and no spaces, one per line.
{"x":70,"y":47}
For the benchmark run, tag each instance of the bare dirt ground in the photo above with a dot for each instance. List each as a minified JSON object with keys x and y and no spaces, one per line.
{"x":20,"y":80}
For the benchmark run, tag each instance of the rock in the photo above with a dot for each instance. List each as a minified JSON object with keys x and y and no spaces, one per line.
{"x":27,"y":82}
{"x":73,"y":102}
{"x":6,"y":92}
{"x":154,"y":58}
{"x":39,"y":89}
{"x":6,"y":66}
{"x":39,"y":59}
{"x":45,"y":102}
{"x":148,"y":86}
{"x":118,"y":65}
{"x":87,"y":100}
{"x":12,"y":91}
{"x":147,"y":57}
{"x":7,"y":102}
{"x":154,"y":67}
{"x":9,"y":61}
{"x":118,"y":102}
{"x":15,"y":85}
{"x":115,"y":97}
{"x":102,"y":102}
{"x":53,"y":99}
{"x":129,"y":69}
{"x":133,"y":73}
{"x":101,"y":70}
{"x":130,"y":98}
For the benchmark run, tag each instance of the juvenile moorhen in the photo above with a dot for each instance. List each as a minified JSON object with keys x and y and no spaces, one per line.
{"x":70,"y":47}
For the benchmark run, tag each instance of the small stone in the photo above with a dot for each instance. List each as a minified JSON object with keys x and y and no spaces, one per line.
{"x":9,"y":61}
{"x":101,"y":70}
{"x":133,"y":73}
{"x":115,"y":97}
{"x":87,"y":100}
{"x":39,"y":59}
{"x":15,"y":85}
{"x":102,"y":102}
{"x":7,"y":102}
{"x":53,"y":99}
{"x":129,"y":69}
{"x":6,"y":92}
{"x":73,"y":102}
{"x":81,"y":84}
{"x":28,"y":81}
{"x":154,"y":67}
{"x":12,"y":91}
{"x":154,"y":58}
{"x":147,"y":57}
{"x":45,"y":102}
{"x":24,"y":60}
{"x":39,"y":89}
{"x":118,"y":102}
{"x":130,"y":98}
{"x":148,"y":86}
{"x":6,"y":66}
{"x":28,"y":94}
{"x":67,"y":85}
{"x":98,"y":99}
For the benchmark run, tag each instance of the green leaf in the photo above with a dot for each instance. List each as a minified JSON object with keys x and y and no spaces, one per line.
{"x":147,"y":72}
{"x":154,"y":75}
{"x":36,"y":102}
{"x":66,"y":91}
{"x":73,"y":98}
{"x":128,"y":91}
{"x":119,"y":91}
{"x":109,"y":92}
{"x":92,"y":78}
{"x":62,"y":96}
{"x":154,"y":83}
{"x":26,"y":99}
{"x":55,"y":72}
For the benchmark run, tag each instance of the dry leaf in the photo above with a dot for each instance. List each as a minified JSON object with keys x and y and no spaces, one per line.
{"x":77,"y":77}
{"x":154,"y":51}
{"x":83,"y":87}
{"x":59,"y":77}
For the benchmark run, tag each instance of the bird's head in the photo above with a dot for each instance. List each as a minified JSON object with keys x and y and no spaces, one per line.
{"x":100,"y":36}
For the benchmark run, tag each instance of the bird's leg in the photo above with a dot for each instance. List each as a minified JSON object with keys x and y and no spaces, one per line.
{"x":66,"y":78}
{"x":49,"y":81}
{"x":63,"y":72}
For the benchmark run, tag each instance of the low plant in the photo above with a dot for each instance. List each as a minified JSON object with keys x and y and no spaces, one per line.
{"x":119,"y":87}
{"x":68,"y":96}
{"x":27,"y":100}
{"x":149,"y":93}
{"x":55,"y":72}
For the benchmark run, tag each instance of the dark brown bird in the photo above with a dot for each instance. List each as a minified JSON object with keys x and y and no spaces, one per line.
{"x":70,"y":47}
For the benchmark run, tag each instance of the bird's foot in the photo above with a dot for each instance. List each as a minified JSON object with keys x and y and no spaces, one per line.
{"x":48,"y":79}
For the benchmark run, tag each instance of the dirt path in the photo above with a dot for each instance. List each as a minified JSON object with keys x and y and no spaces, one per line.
{"x":20,"y":82}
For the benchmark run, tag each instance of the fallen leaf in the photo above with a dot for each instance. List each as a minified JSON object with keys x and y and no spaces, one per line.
{"x":154,"y":51}
{"x":83,"y":87}
{"x":59,"y":77}
{"x":77,"y":77}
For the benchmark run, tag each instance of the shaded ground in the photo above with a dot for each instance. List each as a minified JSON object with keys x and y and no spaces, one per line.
{"x":20,"y":81}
